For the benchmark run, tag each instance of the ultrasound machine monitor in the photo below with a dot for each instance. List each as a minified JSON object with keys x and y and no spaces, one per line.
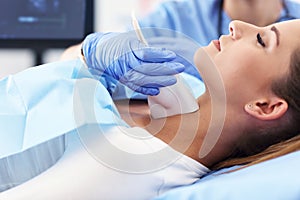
{"x":41,"y":24}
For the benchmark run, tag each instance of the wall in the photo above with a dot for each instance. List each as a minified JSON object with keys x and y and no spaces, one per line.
{"x":108,"y":17}
{"x":116,"y":18}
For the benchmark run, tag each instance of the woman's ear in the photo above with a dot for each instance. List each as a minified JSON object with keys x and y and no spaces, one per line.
{"x":267,"y":109}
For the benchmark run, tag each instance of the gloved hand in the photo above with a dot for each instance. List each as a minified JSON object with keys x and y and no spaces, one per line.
{"x":183,"y":46}
{"x":123,"y":57}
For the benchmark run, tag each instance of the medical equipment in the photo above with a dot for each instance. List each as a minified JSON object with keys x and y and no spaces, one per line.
{"x":137,"y":29}
{"x":32,"y":21}
{"x":172,"y":100}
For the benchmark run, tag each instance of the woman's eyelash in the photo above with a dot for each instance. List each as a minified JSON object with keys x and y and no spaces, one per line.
{"x":260,"y":40}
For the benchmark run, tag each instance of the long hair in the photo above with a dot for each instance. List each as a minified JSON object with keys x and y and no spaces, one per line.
{"x":283,"y":136}
{"x":271,"y":152}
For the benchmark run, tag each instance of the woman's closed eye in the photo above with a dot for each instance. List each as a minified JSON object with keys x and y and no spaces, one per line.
{"x":260,"y":40}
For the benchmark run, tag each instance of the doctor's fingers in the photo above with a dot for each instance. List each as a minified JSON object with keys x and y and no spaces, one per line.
{"x":159,"y":69}
{"x":154,"y":54}
{"x":143,"y":90}
{"x":135,"y":78}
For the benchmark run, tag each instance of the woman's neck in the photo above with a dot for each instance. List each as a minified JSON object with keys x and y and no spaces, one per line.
{"x":257,"y":12}
{"x":185,"y":133}
{"x":181,"y":132}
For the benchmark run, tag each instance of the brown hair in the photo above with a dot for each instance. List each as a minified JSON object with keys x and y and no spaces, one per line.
{"x":271,"y":152}
{"x":281,"y":136}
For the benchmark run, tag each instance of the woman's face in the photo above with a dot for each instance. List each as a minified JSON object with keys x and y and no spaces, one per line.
{"x":250,"y":58}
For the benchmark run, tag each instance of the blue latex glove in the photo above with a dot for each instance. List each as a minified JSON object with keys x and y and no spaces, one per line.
{"x":183,"y":46}
{"x":122,"y":56}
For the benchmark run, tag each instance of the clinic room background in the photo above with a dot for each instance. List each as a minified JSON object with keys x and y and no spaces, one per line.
{"x":107,"y":17}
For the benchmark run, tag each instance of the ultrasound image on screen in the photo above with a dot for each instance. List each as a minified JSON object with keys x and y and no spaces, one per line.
{"x":42,"y":19}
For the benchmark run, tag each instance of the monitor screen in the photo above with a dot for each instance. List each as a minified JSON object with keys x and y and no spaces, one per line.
{"x":44,"y":23}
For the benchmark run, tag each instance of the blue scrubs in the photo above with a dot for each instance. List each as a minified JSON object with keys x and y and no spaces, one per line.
{"x":199,"y":19}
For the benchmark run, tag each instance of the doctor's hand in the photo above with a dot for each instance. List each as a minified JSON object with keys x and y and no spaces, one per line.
{"x":122,"y":56}
{"x":183,"y":46}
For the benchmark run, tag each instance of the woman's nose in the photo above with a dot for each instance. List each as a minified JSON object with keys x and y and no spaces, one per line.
{"x":235,"y":29}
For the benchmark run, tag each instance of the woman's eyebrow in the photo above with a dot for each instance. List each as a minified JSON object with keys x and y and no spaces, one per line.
{"x":273,"y":28}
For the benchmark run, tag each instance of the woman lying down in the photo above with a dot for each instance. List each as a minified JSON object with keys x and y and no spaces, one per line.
{"x":248,"y":115}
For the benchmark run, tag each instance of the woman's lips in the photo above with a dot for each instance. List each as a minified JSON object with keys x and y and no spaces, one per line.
{"x":217,"y":44}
